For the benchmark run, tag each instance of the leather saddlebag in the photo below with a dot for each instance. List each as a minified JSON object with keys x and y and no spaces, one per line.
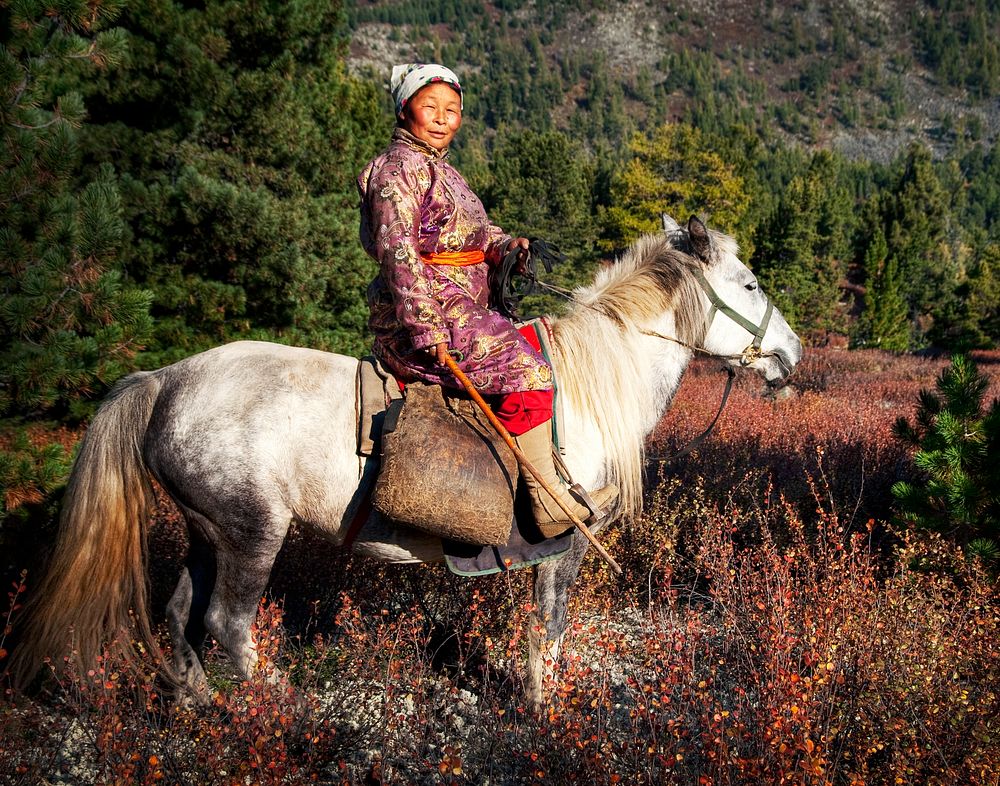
{"x":445,"y":470}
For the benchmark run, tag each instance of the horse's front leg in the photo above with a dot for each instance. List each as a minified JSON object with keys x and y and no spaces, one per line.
{"x":547,"y":622}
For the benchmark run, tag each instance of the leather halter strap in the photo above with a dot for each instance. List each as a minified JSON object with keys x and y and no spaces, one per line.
{"x":752,"y":351}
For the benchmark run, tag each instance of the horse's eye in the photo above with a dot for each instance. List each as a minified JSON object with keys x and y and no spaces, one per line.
{"x":751,"y":287}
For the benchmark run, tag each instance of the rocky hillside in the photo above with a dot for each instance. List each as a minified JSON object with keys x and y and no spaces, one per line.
{"x":858,"y":77}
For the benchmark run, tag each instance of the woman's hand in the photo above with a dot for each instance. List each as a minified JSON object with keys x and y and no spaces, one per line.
{"x":439,"y":352}
{"x":522,"y":256}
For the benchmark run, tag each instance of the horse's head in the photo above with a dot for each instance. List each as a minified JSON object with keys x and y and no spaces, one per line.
{"x":744,"y":327}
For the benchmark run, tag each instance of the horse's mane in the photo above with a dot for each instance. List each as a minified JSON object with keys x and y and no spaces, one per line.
{"x":602,"y":369}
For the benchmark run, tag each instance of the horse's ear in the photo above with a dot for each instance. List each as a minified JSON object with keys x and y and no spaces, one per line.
{"x":701,"y":240}
{"x":669,"y":225}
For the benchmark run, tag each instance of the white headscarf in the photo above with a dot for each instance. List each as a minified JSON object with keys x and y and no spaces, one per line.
{"x":407,"y":79}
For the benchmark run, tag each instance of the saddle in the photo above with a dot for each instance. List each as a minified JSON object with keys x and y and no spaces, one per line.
{"x":445,"y":471}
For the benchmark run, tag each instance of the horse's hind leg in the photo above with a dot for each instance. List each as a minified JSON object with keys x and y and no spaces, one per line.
{"x":242,"y":572}
{"x":186,"y":614}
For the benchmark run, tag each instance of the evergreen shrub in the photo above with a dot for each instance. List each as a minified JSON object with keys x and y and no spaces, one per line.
{"x":957,"y":459}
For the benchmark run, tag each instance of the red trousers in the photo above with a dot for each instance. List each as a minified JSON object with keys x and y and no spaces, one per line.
{"x":524,"y":409}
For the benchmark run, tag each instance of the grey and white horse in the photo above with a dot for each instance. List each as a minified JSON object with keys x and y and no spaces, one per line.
{"x":248,"y":437}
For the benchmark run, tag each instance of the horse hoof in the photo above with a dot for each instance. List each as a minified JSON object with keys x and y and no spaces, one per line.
{"x":188,"y":699}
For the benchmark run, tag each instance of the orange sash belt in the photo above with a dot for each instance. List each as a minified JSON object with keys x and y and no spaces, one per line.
{"x":457,"y":258}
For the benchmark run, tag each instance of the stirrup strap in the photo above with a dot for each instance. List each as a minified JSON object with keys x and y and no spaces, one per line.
{"x":579,"y":492}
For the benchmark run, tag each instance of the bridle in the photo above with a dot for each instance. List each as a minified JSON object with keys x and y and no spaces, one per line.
{"x":751,"y":353}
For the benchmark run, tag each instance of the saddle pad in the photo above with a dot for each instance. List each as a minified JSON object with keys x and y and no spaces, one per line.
{"x":445,"y":470}
{"x":525,"y":547}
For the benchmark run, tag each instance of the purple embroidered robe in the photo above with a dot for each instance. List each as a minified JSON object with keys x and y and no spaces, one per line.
{"x":413,"y":204}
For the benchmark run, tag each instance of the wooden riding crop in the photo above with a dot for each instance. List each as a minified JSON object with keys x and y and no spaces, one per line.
{"x":523,"y":461}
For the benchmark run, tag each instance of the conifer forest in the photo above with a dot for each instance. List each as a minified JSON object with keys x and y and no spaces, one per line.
{"x":811,"y":597}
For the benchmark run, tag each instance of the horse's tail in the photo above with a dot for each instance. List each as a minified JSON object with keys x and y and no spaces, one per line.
{"x":94,"y":592}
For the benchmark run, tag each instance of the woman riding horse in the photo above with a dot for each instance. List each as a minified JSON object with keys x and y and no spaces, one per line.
{"x":434,"y":244}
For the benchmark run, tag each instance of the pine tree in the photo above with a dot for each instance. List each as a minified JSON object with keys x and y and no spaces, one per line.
{"x":673,"y":170}
{"x":957,"y":459}
{"x":981,"y":205}
{"x":974,"y":318}
{"x":69,"y":324}
{"x":238,"y":135}
{"x":802,"y":248}
{"x":540,"y":186}
{"x":915,"y":216}
{"x":884,"y":323}
{"x":983,"y":294}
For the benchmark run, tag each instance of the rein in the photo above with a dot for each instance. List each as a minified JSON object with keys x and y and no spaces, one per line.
{"x":694,"y":444}
{"x":504,"y":294}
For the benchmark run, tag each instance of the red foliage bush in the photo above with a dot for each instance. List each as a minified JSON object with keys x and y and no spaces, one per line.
{"x":766,"y":631}
{"x":835,"y":417}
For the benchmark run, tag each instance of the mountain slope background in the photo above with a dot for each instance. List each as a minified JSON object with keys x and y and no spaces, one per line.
{"x":836,"y":125}
{"x":865,"y":79}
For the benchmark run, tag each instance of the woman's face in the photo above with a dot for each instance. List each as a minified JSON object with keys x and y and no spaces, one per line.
{"x":433,"y":115}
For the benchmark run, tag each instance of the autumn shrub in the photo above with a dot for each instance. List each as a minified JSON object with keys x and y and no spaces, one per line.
{"x":836,"y":416}
{"x":794,"y":660}
{"x":280,"y":726}
{"x":765,"y":631}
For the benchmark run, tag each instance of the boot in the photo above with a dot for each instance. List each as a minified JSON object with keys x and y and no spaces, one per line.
{"x":536,"y":445}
